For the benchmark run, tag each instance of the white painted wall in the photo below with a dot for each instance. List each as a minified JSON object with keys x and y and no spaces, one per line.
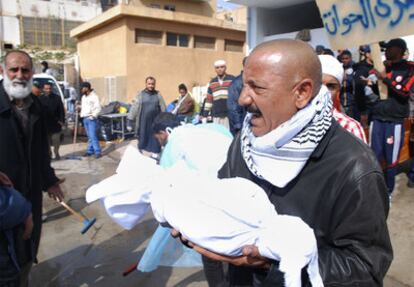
{"x":9,"y":29}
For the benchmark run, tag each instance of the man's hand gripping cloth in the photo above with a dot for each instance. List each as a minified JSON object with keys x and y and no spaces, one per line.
{"x":126,"y":198}
{"x":225,"y":215}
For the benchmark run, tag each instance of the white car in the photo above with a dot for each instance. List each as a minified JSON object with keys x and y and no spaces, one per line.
{"x":41,"y":79}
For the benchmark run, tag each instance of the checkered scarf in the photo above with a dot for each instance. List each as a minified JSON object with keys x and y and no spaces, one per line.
{"x":280,"y":155}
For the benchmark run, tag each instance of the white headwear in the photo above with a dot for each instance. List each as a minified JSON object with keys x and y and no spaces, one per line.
{"x":219,"y":63}
{"x":332,"y":66}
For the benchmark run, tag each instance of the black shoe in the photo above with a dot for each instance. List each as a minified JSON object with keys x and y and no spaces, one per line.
{"x":98,"y":156}
{"x":87,"y":154}
{"x":410,"y":183}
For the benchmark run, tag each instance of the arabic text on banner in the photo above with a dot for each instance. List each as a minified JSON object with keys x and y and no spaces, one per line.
{"x":358,"y":22}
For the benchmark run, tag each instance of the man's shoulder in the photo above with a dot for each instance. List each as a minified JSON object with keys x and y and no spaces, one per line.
{"x":349,"y":152}
{"x":93,"y":96}
{"x":213,"y":80}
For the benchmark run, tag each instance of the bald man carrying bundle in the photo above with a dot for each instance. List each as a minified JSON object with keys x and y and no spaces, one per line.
{"x":310,"y":167}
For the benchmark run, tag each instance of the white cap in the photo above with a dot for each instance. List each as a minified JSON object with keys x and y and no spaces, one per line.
{"x":219,"y":63}
{"x":331,"y":66}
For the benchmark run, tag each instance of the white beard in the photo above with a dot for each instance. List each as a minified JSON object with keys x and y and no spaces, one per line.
{"x":17,"y":89}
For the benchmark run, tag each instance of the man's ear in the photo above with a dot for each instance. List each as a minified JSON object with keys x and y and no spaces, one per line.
{"x":303,"y":93}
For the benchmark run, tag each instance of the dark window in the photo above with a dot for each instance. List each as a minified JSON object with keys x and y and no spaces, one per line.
{"x":174,"y":39}
{"x":183,"y":40}
{"x":233,"y":46}
{"x":204,"y":42}
{"x":148,"y":36}
{"x":169,"y":7}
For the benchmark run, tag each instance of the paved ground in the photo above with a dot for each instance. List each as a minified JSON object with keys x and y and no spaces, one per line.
{"x":99,"y":257}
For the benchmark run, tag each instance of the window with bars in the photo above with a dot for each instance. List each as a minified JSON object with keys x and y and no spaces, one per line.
{"x":148,"y":36}
{"x":48,"y":32}
{"x":233,"y":46}
{"x":178,"y":40}
{"x":204,"y":42}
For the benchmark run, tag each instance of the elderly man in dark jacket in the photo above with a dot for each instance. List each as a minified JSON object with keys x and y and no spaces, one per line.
{"x":311,"y":168}
{"x":24,"y":163}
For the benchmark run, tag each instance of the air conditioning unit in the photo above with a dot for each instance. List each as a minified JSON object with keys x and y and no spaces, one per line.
{"x":7,"y":46}
{"x":85,"y":3}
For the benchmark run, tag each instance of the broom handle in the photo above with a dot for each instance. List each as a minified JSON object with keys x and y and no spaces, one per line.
{"x":76,"y":127}
{"x":130,"y":269}
{"x":77,"y":214}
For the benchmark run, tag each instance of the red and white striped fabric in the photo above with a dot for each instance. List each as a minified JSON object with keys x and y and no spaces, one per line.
{"x":350,"y":125}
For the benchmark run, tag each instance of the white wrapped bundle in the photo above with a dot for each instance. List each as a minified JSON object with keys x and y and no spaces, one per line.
{"x":220,"y":215}
{"x":225,"y":215}
{"x":125,"y":195}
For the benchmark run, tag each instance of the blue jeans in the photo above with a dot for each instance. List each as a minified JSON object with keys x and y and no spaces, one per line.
{"x":91,"y":131}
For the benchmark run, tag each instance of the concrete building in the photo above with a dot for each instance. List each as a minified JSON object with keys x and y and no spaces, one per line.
{"x":174,"y":41}
{"x":43,"y":24}
{"x":42,"y":29}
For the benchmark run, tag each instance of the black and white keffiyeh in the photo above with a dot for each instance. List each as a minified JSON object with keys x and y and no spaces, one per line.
{"x":280,"y":155}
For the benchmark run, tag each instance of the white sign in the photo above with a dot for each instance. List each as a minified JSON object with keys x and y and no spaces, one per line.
{"x":352,"y":23}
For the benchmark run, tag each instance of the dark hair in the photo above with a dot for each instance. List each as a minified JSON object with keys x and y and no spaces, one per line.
{"x":327,"y":51}
{"x":47,"y":84}
{"x":319,"y":49}
{"x":150,"y":78}
{"x":85,"y":85}
{"x":163,"y":121}
{"x":182,"y":87}
{"x":20,"y":52}
{"x":244,"y":61}
{"x":346,"y":53}
{"x":37,"y":84}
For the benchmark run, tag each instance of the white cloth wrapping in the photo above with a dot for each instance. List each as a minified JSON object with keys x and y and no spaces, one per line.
{"x":225,"y":215}
{"x":220,"y":215}
{"x":125,"y":196}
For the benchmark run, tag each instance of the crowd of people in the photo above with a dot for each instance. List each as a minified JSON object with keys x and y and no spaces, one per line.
{"x":300,"y":133}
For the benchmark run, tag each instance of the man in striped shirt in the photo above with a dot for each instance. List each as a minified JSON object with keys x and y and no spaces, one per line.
{"x":215,"y":105}
{"x":332,"y":76}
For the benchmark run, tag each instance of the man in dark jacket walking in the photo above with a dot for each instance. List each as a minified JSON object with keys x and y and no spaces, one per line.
{"x":25,"y":162}
{"x":55,"y":117}
{"x":311,"y":168}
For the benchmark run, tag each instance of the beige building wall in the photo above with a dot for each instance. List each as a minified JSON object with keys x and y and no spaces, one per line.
{"x":207,"y":8}
{"x":117,"y":66}
{"x":174,"y":65}
{"x":103,"y":61}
